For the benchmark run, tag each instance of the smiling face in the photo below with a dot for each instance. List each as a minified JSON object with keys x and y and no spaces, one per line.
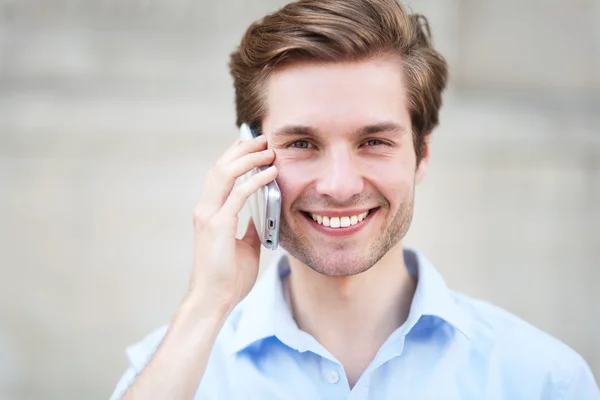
{"x":342,"y":137}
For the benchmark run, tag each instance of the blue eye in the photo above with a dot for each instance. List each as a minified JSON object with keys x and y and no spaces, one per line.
{"x":301,"y":144}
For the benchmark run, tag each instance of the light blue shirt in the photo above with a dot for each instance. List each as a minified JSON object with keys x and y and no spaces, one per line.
{"x":450,"y":347}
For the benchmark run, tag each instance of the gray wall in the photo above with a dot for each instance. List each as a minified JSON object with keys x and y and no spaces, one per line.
{"x":111,"y":113}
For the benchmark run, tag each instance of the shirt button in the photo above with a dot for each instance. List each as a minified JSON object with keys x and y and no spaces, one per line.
{"x":333,"y":376}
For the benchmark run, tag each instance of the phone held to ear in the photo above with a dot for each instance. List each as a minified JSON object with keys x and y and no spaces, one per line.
{"x":264,"y":204}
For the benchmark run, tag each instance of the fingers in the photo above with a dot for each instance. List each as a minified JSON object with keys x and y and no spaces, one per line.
{"x":222,"y":176}
{"x":242,"y":147}
{"x":240,"y":194}
{"x":238,"y":167}
{"x":221,"y":179}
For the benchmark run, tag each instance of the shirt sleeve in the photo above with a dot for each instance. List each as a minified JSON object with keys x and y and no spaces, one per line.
{"x":139,"y":355}
{"x":583,"y":385}
{"x":126,"y":380}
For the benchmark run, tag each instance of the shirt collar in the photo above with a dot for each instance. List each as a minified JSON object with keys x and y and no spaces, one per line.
{"x":432,"y":295}
{"x":266,"y":313}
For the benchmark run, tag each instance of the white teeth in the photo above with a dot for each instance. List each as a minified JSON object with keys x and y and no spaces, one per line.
{"x":339,"y":222}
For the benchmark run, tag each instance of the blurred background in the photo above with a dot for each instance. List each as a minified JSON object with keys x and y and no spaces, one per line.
{"x":111,"y":113}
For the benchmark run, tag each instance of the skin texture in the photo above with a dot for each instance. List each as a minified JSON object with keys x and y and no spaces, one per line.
{"x":326,"y":165}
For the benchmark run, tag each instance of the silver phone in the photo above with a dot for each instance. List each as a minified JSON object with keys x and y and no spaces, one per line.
{"x":265,"y":203}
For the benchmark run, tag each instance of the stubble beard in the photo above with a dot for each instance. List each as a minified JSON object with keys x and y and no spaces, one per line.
{"x":344,"y":261}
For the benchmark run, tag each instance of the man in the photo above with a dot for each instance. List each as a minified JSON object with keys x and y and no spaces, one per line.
{"x":346,"y":94}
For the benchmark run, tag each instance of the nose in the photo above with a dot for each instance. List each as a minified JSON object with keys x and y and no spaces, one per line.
{"x":340,"y":177}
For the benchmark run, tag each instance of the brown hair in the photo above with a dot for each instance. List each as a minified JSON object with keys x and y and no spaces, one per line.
{"x":341,"y":30}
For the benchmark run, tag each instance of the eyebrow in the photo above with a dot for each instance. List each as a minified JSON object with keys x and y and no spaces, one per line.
{"x":303,"y":130}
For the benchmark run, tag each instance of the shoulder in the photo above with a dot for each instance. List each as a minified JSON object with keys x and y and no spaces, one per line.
{"x":218,"y":369}
{"x":517,"y":352}
{"x":496,"y":327}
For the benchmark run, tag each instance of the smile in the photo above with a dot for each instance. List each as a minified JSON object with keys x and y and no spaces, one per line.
{"x":338,"y":224}
{"x":339,"y":221}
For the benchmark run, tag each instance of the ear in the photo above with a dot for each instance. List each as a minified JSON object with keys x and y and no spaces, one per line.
{"x":424,"y":163}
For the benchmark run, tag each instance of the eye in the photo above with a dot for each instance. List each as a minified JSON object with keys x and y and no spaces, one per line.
{"x":374,"y":142}
{"x":301,"y":144}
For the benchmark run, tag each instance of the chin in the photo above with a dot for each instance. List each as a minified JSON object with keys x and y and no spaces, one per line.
{"x":338,"y":261}
{"x":339,"y":265}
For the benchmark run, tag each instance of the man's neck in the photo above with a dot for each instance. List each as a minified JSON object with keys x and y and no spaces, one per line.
{"x":352,"y":316}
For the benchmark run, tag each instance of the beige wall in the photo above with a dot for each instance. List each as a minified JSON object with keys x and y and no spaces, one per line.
{"x":111,"y":113}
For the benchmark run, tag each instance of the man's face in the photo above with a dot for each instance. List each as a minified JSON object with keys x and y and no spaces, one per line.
{"x":344,"y":150}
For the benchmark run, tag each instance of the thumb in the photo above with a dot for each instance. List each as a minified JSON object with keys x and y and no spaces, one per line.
{"x":251,"y":236}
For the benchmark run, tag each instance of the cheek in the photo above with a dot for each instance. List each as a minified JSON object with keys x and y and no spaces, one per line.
{"x":392,"y":178}
{"x":292,"y":179}
{"x":402,"y":191}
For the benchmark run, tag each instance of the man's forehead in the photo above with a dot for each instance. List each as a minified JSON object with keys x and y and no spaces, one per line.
{"x":366,"y":95}
{"x":372,"y":71}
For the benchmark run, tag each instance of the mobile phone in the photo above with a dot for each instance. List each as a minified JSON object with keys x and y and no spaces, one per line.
{"x":265,"y":203}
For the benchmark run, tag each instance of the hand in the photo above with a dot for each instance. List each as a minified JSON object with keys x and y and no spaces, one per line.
{"x":226,"y":268}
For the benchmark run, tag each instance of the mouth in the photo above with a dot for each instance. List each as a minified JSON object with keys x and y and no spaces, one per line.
{"x":338,"y":224}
